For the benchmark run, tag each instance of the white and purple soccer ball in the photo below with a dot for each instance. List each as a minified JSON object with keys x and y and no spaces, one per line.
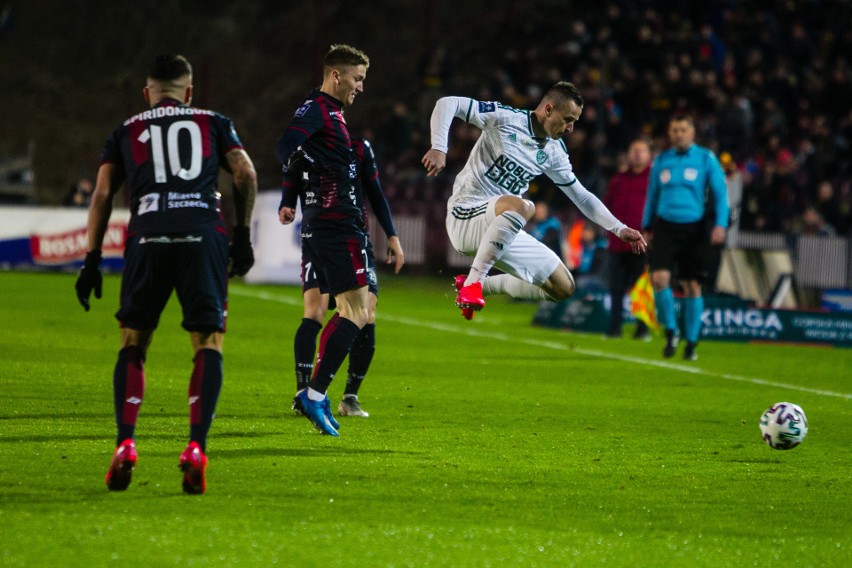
{"x":783,"y":426}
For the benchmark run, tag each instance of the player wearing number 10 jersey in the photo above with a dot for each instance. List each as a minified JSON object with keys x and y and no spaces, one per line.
{"x":168,"y":157}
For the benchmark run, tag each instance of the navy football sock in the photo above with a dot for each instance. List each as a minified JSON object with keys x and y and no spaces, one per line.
{"x":304,"y":348}
{"x":335,"y":342}
{"x":204,"y":388}
{"x":360,"y":358}
{"x":128,"y":387}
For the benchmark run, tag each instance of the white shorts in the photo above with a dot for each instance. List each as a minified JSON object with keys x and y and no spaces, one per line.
{"x":526,"y":258}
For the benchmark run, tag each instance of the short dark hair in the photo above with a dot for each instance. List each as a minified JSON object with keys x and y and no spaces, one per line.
{"x":564,"y":91}
{"x":169,"y":67}
{"x":342,"y":54}
{"x":682,"y":117}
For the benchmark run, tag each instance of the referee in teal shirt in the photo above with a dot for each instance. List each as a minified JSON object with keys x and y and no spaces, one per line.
{"x":675,"y":212}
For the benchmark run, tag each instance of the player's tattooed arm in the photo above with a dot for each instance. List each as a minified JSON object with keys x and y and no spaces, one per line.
{"x":109,"y":181}
{"x":245,"y":184}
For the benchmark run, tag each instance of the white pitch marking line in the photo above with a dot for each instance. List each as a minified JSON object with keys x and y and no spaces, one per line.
{"x":557,"y":346}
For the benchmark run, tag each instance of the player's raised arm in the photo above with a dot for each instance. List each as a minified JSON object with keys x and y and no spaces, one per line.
{"x":446,"y":109}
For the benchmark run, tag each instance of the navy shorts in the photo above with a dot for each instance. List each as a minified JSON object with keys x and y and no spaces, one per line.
{"x":336,"y":261}
{"x":313,"y":276}
{"x":681,"y":248}
{"x":195,"y":265}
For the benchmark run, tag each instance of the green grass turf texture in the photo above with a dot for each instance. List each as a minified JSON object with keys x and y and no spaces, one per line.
{"x":490,"y":443}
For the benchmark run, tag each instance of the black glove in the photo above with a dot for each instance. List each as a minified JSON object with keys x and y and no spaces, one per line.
{"x":242,"y":256}
{"x":299,"y":161}
{"x":89,"y":279}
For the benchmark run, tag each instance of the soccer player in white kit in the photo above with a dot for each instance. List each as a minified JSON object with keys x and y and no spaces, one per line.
{"x":486,"y":213}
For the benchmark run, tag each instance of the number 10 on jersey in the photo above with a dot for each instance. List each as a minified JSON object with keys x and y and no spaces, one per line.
{"x":154,"y":134}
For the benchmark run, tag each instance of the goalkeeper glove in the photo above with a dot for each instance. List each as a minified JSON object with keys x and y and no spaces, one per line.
{"x":242,"y":256}
{"x":89,"y":279}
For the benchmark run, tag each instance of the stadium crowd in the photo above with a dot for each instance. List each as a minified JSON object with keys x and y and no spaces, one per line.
{"x":769,"y":82}
{"x":769,"y":85}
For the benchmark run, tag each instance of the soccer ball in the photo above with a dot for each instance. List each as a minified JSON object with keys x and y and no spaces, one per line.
{"x":783,"y":426}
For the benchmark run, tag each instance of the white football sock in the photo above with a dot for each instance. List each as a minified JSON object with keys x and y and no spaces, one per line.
{"x":499,"y":235}
{"x":514,"y":287}
{"x":315,"y":394}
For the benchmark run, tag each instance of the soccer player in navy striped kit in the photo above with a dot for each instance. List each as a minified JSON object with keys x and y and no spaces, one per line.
{"x":315,"y":288}
{"x":675,"y":212}
{"x":317,"y":141}
{"x":169,"y":158}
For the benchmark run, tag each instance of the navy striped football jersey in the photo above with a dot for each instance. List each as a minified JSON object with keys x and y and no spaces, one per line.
{"x":319,"y":130}
{"x":170,"y":155}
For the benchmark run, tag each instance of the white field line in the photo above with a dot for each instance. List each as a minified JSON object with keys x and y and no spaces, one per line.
{"x":472,"y":332}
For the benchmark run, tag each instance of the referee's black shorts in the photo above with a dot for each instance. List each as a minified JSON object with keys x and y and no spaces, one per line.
{"x":195,"y":265}
{"x":681,"y":248}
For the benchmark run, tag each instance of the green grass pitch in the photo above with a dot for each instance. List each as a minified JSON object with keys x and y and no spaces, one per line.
{"x":490,"y":443}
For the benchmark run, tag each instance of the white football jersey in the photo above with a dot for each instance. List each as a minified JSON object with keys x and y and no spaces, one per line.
{"x":507,"y":156}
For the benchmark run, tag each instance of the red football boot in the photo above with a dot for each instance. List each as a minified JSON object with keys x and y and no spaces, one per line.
{"x":470,"y":299}
{"x":193,"y":463}
{"x":122,"y":466}
{"x":467,"y":313}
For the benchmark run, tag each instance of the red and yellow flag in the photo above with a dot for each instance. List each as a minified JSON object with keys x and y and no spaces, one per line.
{"x":642,"y":301}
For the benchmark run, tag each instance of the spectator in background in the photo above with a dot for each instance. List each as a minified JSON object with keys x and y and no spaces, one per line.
{"x":398,"y":133}
{"x":625,"y":197}
{"x":546,"y":228}
{"x":782,"y":192}
{"x":735,"y":123}
{"x":811,"y":223}
{"x":80,"y":193}
{"x":835,"y":211}
{"x":734,"y":183}
{"x":592,"y":267}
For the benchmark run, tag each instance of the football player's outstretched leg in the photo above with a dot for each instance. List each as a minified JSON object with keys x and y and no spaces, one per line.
{"x":486,"y":213}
